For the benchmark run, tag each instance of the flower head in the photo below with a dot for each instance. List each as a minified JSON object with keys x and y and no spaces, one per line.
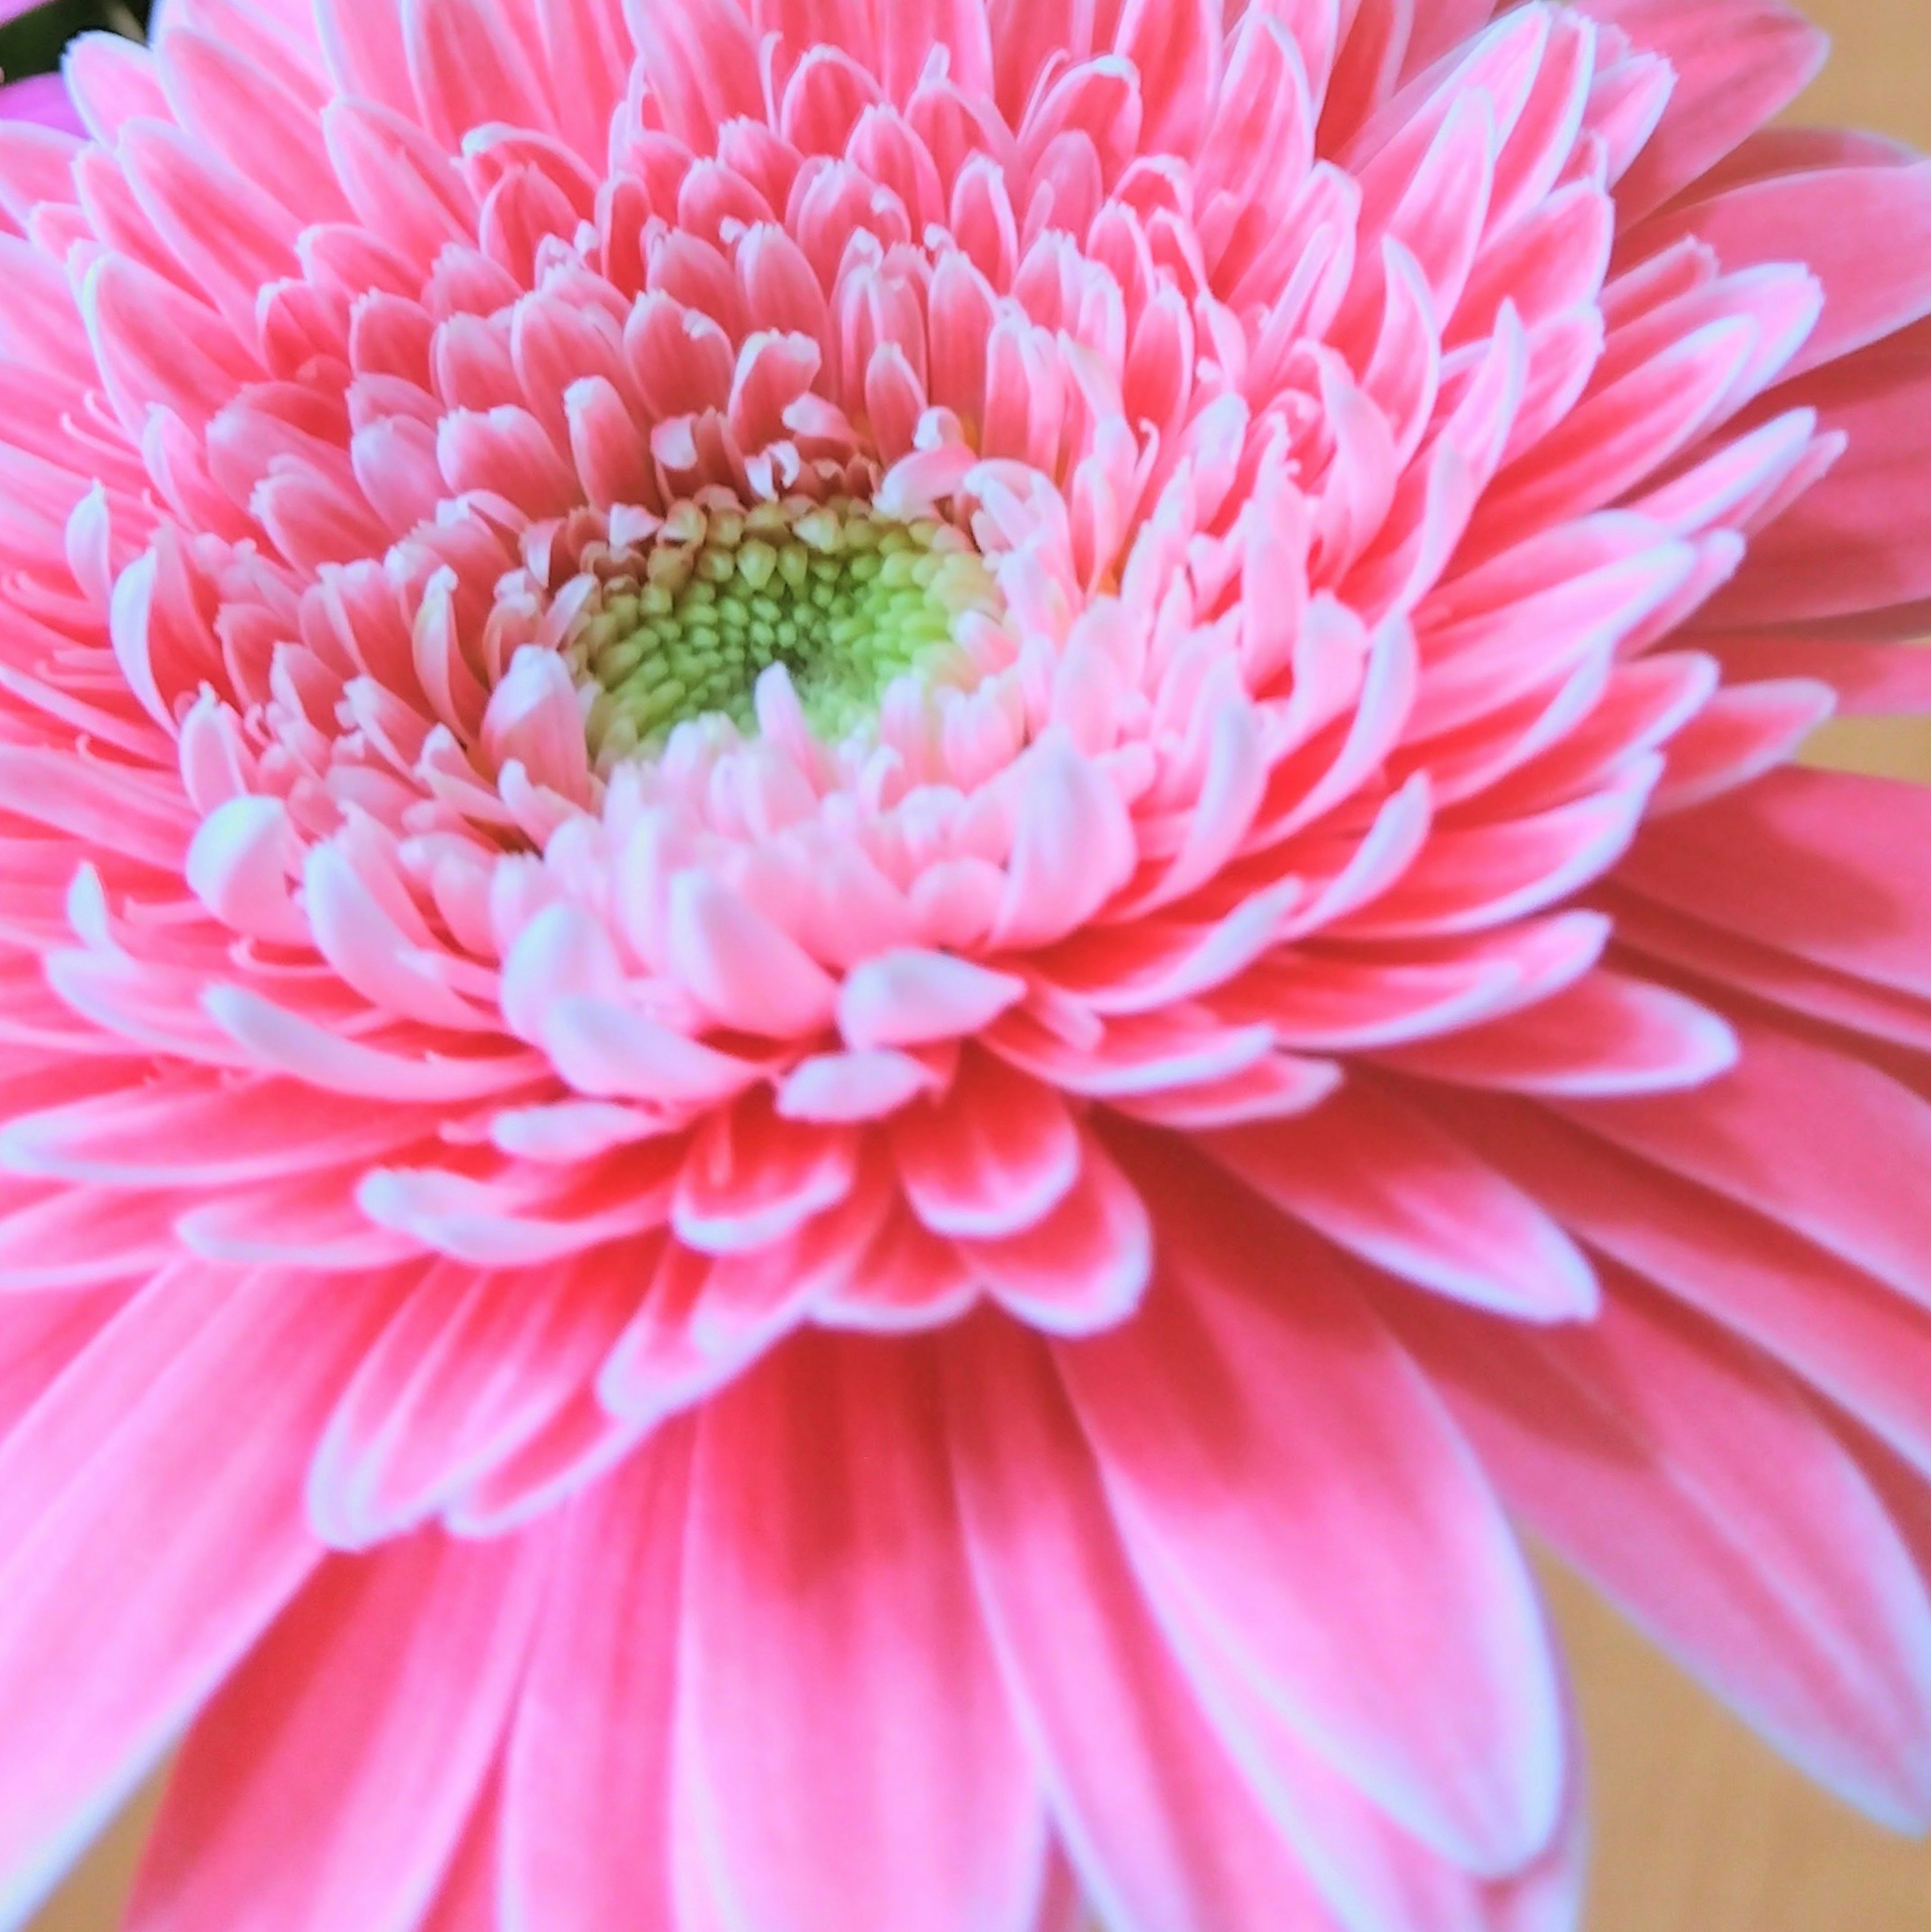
{"x":884,"y":883}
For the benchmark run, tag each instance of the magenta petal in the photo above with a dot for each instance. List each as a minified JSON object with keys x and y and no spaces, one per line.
{"x":42,"y":99}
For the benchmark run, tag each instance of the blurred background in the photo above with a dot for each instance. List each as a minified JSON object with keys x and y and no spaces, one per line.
{"x":1698,"y":1828}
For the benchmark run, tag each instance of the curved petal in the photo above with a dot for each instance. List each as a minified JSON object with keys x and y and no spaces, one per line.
{"x":587,"y":1793}
{"x":141,"y":1557}
{"x":1281,"y":1472}
{"x":1690,"y":1481}
{"x":343,"y":1805}
{"x":1375,"y":1178}
{"x":1815,"y":1140}
{"x":853,"y":1765}
{"x":1156,"y":1818}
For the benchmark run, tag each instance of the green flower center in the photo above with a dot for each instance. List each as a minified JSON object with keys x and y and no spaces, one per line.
{"x":845,"y":599}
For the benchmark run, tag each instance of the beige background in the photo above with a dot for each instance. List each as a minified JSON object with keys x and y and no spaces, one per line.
{"x":1698,"y":1829}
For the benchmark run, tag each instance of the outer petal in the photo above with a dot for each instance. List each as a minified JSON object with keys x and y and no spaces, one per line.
{"x":1814,"y":1139}
{"x":586,"y":1823}
{"x":1161,"y":1825}
{"x":329,"y":1783}
{"x":1376,"y":1179}
{"x":1283,"y":1477}
{"x":1857,"y":1341}
{"x":1737,"y":62}
{"x":1856,"y":541}
{"x":853,"y":1765}
{"x":1825,"y":865}
{"x":1825,"y":219}
{"x":150,"y":1555}
{"x":1688,"y":1479}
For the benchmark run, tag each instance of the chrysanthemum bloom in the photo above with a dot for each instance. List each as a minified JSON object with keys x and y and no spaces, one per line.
{"x":891,"y":890}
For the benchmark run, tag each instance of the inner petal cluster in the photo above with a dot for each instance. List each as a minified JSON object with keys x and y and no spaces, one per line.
{"x":841,"y":599}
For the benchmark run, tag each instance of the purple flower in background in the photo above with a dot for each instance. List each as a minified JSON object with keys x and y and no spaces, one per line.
{"x":40,"y":97}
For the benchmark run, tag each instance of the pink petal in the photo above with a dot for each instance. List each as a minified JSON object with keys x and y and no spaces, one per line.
{"x":44,"y":1333}
{"x":1085,"y":1266}
{"x":1678,"y":944}
{"x":1856,"y":541}
{"x":472,"y":1368}
{"x":1605,"y":1036}
{"x":1814,"y":218}
{"x":1876,"y":679}
{"x":1073,"y":848}
{"x":853,"y":1763}
{"x":744,"y":971}
{"x":1690,"y":1481}
{"x":991,"y":1157}
{"x":1378,"y":1179}
{"x":586,"y":1790}
{"x":1823,"y":864}
{"x":1281,"y":1471}
{"x":1736,"y":63}
{"x":910,"y":998}
{"x":1814,"y":1139}
{"x":752,"y":1177}
{"x":343,"y":1805}
{"x":142,"y":1556}
{"x":1162,"y":1829}
{"x":1868,"y":1348}
{"x":466,"y":1901}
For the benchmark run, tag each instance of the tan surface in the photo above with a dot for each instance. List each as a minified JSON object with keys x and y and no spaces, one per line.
{"x":1698,"y":1829}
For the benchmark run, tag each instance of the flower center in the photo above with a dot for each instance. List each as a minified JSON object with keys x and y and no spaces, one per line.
{"x":845,"y":599}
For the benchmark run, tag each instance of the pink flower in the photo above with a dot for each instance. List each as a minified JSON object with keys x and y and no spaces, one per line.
{"x":885,"y":886}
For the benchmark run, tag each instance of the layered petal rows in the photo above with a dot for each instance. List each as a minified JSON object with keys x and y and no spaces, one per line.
{"x":886,"y":890}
